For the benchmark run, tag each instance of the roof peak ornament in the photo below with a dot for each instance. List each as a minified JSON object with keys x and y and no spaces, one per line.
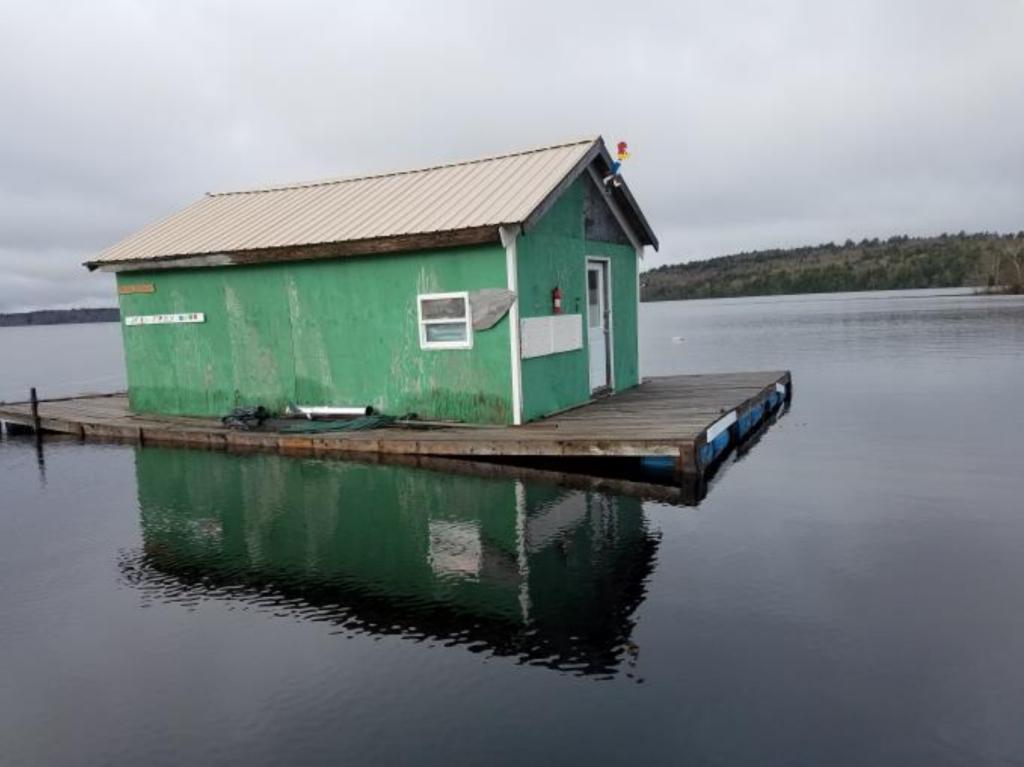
{"x":621,"y":155}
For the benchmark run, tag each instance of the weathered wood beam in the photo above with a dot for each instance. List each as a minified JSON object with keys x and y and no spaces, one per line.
{"x":370,"y":247}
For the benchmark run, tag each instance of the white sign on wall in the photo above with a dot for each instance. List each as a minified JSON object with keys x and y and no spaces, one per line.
{"x":165,"y":319}
{"x":540,"y":336}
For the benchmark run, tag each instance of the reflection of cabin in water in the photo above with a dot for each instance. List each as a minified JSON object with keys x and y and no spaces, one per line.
{"x":548,"y":575}
{"x":430,"y":291}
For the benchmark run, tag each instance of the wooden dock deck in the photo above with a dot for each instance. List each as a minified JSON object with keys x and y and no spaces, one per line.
{"x":680,"y":419}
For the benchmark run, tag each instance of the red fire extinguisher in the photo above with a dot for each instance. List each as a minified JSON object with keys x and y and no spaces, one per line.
{"x":556,"y":300}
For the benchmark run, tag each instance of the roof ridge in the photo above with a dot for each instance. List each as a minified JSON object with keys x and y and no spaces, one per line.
{"x":404,"y":172}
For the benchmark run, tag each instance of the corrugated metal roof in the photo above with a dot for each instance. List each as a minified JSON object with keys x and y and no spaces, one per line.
{"x":491,"y":191}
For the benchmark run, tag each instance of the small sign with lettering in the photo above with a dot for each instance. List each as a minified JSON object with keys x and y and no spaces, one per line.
{"x":137,"y":287}
{"x":165,"y":319}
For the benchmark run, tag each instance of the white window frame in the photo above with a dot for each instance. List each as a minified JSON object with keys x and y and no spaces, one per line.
{"x":424,"y":343}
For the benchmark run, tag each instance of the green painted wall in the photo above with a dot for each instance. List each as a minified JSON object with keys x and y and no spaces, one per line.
{"x":554,"y":253}
{"x":342,"y":331}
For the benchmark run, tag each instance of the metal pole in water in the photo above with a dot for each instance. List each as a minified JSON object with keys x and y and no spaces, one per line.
{"x":35,"y":412}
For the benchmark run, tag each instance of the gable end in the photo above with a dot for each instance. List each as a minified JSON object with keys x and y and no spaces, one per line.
{"x":600,"y":224}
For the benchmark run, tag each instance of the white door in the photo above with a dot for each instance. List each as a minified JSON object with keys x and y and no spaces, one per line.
{"x":597,"y":323}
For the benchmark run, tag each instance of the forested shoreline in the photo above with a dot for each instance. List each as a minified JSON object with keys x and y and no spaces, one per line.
{"x":983,"y":260}
{"x":59,"y":317}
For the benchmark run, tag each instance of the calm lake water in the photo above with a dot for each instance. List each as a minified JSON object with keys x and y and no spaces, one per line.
{"x":850,"y":592}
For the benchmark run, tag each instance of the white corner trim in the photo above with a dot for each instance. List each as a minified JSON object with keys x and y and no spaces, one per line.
{"x":639,"y":357}
{"x":509,"y":237}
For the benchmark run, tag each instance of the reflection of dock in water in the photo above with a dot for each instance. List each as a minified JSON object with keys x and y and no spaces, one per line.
{"x":541,"y":573}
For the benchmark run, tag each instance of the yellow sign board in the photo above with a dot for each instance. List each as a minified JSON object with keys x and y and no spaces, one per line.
{"x":138,"y":287}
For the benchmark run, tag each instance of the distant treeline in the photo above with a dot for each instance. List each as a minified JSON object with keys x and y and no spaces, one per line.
{"x":60,"y":317}
{"x":984,"y":260}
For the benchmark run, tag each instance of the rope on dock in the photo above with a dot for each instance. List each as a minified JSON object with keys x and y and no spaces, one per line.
{"x":363,"y":423}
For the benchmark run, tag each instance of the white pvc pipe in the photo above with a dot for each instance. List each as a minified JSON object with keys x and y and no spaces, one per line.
{"x":312,"y":411}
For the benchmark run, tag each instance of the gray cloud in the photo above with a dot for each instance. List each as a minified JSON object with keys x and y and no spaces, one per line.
{"x":752,"y":124}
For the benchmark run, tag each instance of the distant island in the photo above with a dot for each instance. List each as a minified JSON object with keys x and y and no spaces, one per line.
{"x":59,"y":317}
{"x":985,"y":260}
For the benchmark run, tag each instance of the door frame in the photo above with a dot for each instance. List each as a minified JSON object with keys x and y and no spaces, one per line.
{"x":606,"y":268}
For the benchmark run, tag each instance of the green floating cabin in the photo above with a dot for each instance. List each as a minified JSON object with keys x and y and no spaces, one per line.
{"x":492,"y":291}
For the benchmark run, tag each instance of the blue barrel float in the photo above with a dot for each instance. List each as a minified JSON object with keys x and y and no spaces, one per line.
{"x":730,"y":429}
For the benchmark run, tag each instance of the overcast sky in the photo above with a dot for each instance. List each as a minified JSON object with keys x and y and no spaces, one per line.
{"x":751,"y":124}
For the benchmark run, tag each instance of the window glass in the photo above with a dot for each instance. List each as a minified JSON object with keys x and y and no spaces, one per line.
{"x":446,"y":332}
{"x":443,"y":308}
{"x":593,"y":300}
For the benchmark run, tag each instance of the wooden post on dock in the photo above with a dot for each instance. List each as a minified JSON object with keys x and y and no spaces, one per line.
{"x":687,"y":465}
{"x":35,"y":412}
